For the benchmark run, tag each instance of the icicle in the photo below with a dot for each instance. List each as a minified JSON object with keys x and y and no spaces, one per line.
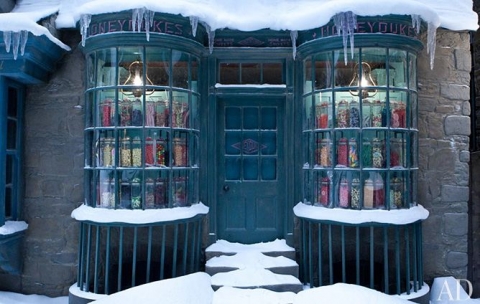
{"x":148,"y":22}
{"x":431,"y":42}
{"x":7,"y":38}
{"x":346,"y":24}
{"x":211,"y":37}
{"x":194,"y":23}
{"x":23,"y":42}
{"x":15,"y":44}
{"x":84,"y":24}
{"x":416,"y":22}
{"x":293,"y":36}
{"x":137,"y":18}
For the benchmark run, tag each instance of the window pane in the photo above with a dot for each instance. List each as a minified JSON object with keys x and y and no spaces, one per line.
{"x":269,"y":118}
{"x":9,"y":170}
{"x":232,"y":168}
{"x":180,"y":69}
{"x":269,"y":169}
{"x":158,"y":66}
{"x":323,"y":71}
{"x":194,"y":73}
{"x":8,"y":202}
{"x":12,"y":102}
{"x":107,"y":64}
{"x":233,"y":143}
{"x":307,"y":67}
{"x":251,"y":73}
{"x":250,"y":168}
{"x":229,"y":73}
{"x":398,"y":68}
{"x":250,"y":118}
{"x":11,"y":134}
{"x":272,"y":73}
{"x":345,"y":73}
{"x":233,"y":118}
{"x":269,"y":143}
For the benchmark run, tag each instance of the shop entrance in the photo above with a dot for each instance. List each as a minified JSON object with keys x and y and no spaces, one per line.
{"x":251,"y":168}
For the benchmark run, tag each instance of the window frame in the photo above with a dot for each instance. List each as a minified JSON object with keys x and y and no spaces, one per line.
{"x":8,"y":87}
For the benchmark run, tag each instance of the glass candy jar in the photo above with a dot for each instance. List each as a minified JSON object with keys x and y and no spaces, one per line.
{"x":344,"y":192}
{"x":136,"y":152}
{"x":352,"y":153}
{"x":355,"y":193}
{"x":137,"y":116}
{"x":354,"y":115}
{"x":342,"y":152}
{"x":126,"y":152}
{"x":396,"y":192}
{"x":343,"y":114}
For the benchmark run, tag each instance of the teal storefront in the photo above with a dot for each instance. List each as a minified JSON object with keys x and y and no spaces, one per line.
{"x":243,"y":126}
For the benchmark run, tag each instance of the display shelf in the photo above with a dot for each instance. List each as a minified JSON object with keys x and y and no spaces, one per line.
{"x":360,"y":133}
{"x":142,"y":130}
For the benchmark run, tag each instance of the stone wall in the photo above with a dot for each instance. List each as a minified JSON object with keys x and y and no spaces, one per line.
{"x":444,"y":130}
{"x":53,"y":178}
{"x":475,"y":173}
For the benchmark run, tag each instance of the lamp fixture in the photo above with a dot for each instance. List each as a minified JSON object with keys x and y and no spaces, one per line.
{"x":364,"y":81}
{"x":135,"y":79}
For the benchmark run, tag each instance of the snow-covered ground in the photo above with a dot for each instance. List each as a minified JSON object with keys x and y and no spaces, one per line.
{"x":195,"y":288}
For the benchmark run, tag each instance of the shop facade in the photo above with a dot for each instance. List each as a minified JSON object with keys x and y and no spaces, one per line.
{"x":250,"y":130}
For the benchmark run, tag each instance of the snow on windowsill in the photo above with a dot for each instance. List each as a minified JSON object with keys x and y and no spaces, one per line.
{"x":256,"y":86}
{"x":101,"y":215}
{"x":349,"y":216}
{"x":12,"y":227}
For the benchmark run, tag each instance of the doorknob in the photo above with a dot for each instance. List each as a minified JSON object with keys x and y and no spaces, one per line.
{"x":226,"y":188}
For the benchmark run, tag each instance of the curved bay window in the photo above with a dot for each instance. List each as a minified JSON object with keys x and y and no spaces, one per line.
{"x":142,"y":128}
{"x":360,"y":129}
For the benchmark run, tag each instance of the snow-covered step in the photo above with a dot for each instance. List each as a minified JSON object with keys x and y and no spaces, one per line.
{"x":231,"y":295}
{"x":269,"y":266}
{"x":274,"y":248}
{"x":257,"y":278}
{"x":252,"y":259}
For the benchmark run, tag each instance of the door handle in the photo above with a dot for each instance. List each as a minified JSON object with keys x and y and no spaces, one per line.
{"x":226,"y":188}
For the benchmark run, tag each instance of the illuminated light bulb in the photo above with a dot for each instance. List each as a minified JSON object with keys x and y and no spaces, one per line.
{"x":135,"y":78}
{"x":364,"y":81}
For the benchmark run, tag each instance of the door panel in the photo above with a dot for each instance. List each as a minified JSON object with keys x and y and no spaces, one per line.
{"x":250,"y":162}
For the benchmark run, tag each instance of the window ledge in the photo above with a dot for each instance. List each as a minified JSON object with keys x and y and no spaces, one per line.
{"x":350,"y":216}
{"x":150,"y":216}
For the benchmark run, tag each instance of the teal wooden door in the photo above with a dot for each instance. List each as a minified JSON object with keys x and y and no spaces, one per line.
{"x":251,"y":169}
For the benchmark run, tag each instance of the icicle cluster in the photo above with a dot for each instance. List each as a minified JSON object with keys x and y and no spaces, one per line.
{"x":211,"y":37}
{"x":294,"y":36}
{"x":431,"y":42}
{"x":142,"y":15}
{"x":194,"y":24}
{"x":15,"y":40}
{"x":431,"y":37}
{"x":84,"y":24}
{"x":346,"y":24}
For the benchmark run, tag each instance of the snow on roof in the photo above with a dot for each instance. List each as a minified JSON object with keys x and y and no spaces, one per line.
{"x":100,"y":215}
{"x":243,"y":15}
{"x":349,"y":216}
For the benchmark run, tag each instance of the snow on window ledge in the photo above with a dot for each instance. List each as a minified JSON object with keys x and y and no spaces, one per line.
{"x":256,"y":86}
{"x":12,"y":227}
{"x":100,"y":215}
{"x":350,"y":216}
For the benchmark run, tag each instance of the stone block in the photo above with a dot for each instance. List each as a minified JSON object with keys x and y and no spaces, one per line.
{"x":456,"y":224}
{"x":457,"y":125}
{"x":463,"y":60}
{"x":455,"y":91}
{"x":455,"y":193}
{"x":466,"y":108}
{"x":456,"y":259}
